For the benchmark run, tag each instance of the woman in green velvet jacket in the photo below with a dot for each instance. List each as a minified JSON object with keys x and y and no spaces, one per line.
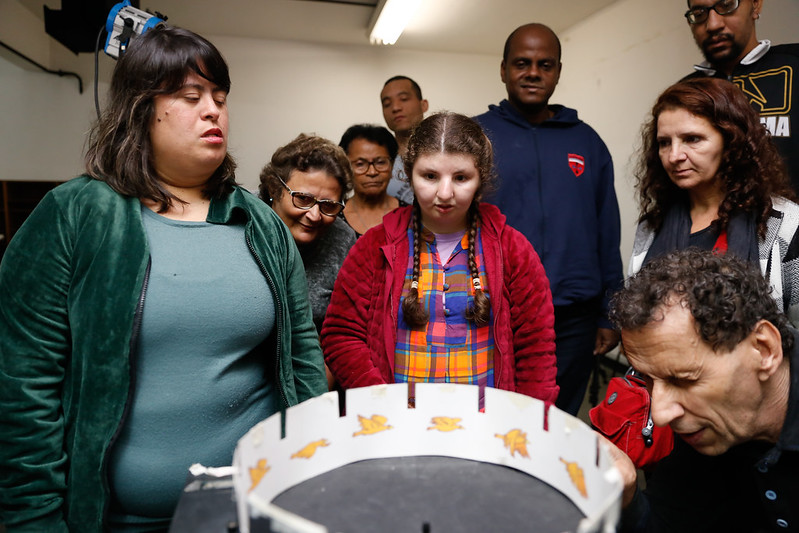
{"x":152,"y":311}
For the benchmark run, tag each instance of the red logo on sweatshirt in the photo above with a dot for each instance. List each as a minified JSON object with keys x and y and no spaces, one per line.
{"x":577,"y":164}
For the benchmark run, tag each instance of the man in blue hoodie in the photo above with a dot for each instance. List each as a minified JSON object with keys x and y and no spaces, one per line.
{"x":556,"y":187}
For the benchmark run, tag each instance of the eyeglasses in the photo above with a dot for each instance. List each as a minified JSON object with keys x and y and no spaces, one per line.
{"x":361,"y":166}
{"x":305,"y":201}
{"x":699,"y":14}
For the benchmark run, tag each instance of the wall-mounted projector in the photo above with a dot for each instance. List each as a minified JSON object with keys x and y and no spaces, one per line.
{"x":126,"y":22}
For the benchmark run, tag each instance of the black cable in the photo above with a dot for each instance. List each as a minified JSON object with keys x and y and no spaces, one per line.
{"x":597,"y":375}
{"x":49,"y":71}
{"x":97,"y":70}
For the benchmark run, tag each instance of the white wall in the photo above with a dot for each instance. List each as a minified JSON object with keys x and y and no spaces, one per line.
{"x":43,"y":117}
{"x":614,"y":66}
{"x":281,"y":89}
{"x":43,"y":125}
{"x":616,"y":63}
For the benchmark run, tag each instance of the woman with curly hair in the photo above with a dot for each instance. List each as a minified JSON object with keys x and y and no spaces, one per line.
{"x":710,"y":177}
{"x":305,"y":182}
{"x":444,"y":290}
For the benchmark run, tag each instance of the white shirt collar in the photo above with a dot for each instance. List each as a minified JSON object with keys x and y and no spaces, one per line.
{"x":752,"y":57}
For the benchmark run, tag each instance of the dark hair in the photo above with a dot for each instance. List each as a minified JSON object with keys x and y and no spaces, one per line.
{"x":372,"y":133}
{"x":506,"y":49}
{"x":751,"y":169}
{"x":414,"y":85}
{"x":725,"y":295}
{"x":120,"y":152}
{"x":450,"y":133}
{"x":304,"y":153}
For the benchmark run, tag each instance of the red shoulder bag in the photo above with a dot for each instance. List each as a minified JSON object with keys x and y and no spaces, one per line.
{"x":625,"y":418}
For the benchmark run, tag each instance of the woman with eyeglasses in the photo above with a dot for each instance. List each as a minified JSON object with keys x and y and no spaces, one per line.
{"x":305,"y":183}
{"x":371,"y":151}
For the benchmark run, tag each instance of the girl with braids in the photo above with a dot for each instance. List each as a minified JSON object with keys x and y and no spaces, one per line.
{"x":444,"y":290}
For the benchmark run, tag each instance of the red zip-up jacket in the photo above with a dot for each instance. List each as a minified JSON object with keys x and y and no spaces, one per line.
{"x":360,"y":329}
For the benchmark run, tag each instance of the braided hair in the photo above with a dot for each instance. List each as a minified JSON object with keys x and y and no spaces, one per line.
{"x":450,"y":133}
{"x":415,"y":313}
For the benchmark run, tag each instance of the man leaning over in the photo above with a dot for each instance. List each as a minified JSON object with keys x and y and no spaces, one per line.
{"x":722,"y":368}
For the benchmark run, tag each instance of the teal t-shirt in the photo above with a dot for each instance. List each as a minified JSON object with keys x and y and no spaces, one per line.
{"x":202,"y":378}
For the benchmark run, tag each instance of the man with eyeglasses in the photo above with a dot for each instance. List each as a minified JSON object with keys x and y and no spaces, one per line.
{"x":403,"y":110}
{"x":725,"y":32}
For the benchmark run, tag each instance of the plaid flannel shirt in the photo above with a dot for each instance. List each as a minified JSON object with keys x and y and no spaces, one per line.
{"x":449,"y":348}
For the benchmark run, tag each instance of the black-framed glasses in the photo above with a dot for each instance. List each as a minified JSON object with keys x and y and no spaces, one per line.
{"x":699,"y":14}
{"x":305,"y":201}
{"x":361,"y":166}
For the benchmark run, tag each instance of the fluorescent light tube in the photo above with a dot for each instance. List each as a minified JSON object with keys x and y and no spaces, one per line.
{"x":389,"y":20}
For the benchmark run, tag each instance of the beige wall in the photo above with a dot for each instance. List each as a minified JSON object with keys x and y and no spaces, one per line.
{"x":614,"y":65}
{"x":281,"y":89}
{"x":617,"y":62}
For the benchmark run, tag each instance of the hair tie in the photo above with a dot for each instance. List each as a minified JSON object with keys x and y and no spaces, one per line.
{"x":414,"y":285}
{"x":476,"y":284}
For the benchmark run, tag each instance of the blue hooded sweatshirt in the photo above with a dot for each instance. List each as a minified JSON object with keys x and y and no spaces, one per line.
{"x":556,"y":187}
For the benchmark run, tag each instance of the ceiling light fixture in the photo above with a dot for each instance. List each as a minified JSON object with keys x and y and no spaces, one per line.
{"x":389,"y":20}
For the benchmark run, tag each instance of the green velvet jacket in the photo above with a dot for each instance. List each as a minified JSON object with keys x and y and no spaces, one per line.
{"x":71,"y":283}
